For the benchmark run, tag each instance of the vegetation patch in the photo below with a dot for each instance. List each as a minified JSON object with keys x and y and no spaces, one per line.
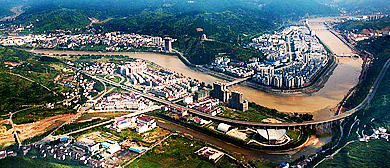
{"x":179,"y":151}
{"x":23,"y":162}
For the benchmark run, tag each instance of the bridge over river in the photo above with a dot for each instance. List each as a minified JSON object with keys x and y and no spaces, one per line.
{"x":363,"y":104}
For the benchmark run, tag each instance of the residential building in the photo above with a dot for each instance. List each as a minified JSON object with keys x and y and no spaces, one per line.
{"x":220,"y":91}
{"x":237,"y":101}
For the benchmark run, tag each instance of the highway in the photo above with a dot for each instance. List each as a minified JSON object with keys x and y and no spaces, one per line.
{"x":368,"y":98}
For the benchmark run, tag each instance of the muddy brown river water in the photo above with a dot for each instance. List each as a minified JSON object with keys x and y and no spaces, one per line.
{"x":344,"y":77}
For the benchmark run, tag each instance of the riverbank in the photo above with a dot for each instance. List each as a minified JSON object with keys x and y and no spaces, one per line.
{"x":344,"y":77}
{"x":317,"y":84}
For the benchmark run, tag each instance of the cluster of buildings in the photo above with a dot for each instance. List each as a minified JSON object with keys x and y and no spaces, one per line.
{"x":87,"y":86}
{"x":68,"y":149}
{"x":131,"y":69}
{"x":207,"y":105}
{"x":229,"y":130}
{"x":113,"y":41}
{"x":237,"y":69}
{"x":160,"y":82}
{"x":100,"y":68}
{"x":381,"y":132}
{"x":75,"y":94}
{"x":177,"y":111}
{"x":141,"y":124}
{"x":93,"y":150}
{"x":356,"y":35}
{"x":366,"y":17}
{"x":123,"y":101}
{"x":234,"y":99}
{"x":293,"y":58}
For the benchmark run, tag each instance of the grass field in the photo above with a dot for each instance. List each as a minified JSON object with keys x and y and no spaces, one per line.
{"x":249,"y":115}
{"x":178,"y":152}
{"x":256,"y":113}
{"x":116,"y":79}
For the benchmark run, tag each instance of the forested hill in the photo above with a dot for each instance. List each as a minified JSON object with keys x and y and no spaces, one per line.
{"x":227,"y":22}
{"x":172,"y":17}
{"x":6,"y":5}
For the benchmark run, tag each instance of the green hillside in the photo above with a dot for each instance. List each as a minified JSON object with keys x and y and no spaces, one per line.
{"x":230,"y":23}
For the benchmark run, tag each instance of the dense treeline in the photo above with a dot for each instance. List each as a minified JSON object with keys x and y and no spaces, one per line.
{"x":18,"y":92}
{"x":201,"y":52}
{"x":15,"y":91}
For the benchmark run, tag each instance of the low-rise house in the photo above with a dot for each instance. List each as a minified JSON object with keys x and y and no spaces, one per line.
{"x":210,"y":153}
{"x":114,"y":148}
{"x":94,"y":147}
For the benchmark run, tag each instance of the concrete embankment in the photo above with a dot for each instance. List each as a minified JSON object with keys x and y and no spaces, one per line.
{"x":315,"y":85}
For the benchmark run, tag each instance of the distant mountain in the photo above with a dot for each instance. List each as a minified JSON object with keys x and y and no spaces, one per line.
{"x":227,"y":22}
{"x":360,"y":6}
{"x":6,"y":5}
{"x":221,"y":17}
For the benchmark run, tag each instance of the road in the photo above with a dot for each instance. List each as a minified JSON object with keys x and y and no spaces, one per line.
{"x":107,"y":122}
{"x":81,"y":110}
{"x":368,"y":98}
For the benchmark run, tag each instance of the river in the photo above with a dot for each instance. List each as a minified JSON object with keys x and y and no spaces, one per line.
{"x":344,"y":77}
{"x":320,"y":104}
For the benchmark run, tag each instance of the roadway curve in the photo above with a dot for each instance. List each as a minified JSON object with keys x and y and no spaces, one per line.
{"x":368,"y":98}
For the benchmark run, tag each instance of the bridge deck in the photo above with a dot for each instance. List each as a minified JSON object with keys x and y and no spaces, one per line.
{"x":368,"y":98}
